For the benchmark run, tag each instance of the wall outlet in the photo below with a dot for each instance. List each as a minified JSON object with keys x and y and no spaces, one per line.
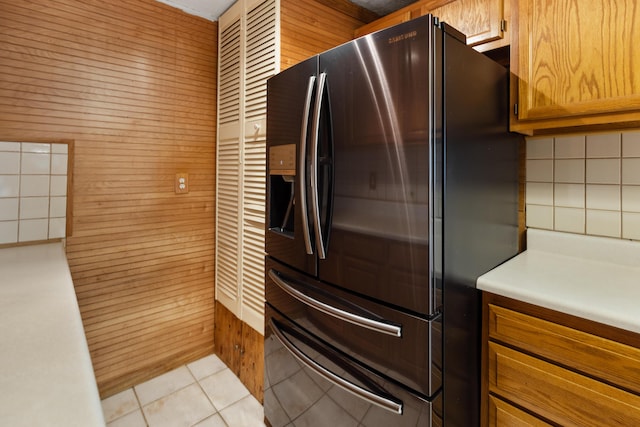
{"x":182,"y":183}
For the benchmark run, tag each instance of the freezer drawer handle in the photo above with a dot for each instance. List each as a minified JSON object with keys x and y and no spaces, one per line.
{"x":381,"y":401}
{"x":375,"y":325}
{"x":302,"y":168}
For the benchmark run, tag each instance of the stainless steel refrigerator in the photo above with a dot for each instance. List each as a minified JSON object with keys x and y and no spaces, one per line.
{"x":392,"y":184}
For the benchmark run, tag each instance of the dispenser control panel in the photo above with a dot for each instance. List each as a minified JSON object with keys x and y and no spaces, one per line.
{"x":282,"y":159}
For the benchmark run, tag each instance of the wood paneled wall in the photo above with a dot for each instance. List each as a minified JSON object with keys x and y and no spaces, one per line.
{"x":309,"y":27}
{"x":133,"y":84}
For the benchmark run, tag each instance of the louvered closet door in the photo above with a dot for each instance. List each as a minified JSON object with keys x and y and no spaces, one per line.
{"x":260,"y":64}
{"x":229,"y":184}
{"x":248,"y":56}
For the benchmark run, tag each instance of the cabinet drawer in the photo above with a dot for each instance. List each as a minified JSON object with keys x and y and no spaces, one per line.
{"x":598,"y":357}
{"x":503,"y":414}
{"x":557,"y":394}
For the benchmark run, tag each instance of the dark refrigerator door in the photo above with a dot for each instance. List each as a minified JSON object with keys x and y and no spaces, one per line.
{"x":290,"y":101}
{"x":379,"y":95}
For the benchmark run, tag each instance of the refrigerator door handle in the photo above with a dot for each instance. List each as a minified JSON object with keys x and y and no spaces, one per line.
{"x":315,"y":130}
{"x":302,"y":168}
{"x":390,"y":405}
{"x":374,"y":325}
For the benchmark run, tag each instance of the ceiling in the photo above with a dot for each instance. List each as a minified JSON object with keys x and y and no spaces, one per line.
{"x":212,"y":9}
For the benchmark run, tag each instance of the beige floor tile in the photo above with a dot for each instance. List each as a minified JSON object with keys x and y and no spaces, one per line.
{"x":132,"y":419}
{"x":213,"y":421}
{"x":245,"y":413}
{"x":119,"y":404}
{"x":164,"y":385}
{"x":223,"y":388}
{"x":176,"y":399}
{"x":206,"y":366}
{"x":184,"y":408}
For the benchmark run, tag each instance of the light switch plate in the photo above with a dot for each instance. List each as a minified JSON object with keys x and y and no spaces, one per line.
{"x":182,"y":183}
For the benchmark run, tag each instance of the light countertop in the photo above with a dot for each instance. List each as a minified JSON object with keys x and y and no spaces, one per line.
{"x":596,"y":278}
{"x":46,"y":376}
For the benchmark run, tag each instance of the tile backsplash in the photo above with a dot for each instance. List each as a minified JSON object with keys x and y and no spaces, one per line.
{"x":33,"y":191}
{"x":587,"y":184}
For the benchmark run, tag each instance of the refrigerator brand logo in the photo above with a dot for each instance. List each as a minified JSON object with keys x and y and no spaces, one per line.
{"x":405,"y":36}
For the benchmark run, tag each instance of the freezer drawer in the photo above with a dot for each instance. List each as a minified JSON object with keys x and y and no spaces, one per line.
{"x":307,"y":382}
{"x":402,"y":347}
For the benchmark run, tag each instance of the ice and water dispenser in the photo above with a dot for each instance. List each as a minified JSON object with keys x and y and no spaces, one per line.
{"x":282,"y":175}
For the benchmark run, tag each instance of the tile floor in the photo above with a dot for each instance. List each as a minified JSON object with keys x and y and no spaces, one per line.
{"x":204,"y":393}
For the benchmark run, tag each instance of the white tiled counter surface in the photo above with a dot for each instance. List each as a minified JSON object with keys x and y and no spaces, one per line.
{"x":596,"y":278}
{"x":46,"y":376}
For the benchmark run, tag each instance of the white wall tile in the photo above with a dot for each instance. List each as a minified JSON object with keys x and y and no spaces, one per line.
{"x":631,"y":198}
{"x":539,"y":148}
{"x":9,"y":209}
{"x":569,"y":195}
{"x":35,"y":164}
{"x":58,"y":207}
{"x":58,"y":164}
{"x":9,"y":185}
{"x":631,"y":144}
{"x":57,"y":228}
{"x":539,"y":193}
{"x":33,"y":229}
{"x":29,"y":176}
{"x":605,"y":197}
{"x":34,"y":185}
{"x":631,"y":225}
{"x":540,"y":170}
{"x":604,"y":223}
{"x":34,"y":207}
{"x":569,"y":147}
{"x":569,"y":219}
{"x":60,"y":148}
{"x":9,"y":146}
{"x":631,"y":171}
{"x":603,"y":145}
{"x":9,"y":163}
{"x":34,"y":147}
{"x":569,"y":171}
{"x":540,"y":216}
{"x":8,"y":231}
{"x":58,"y":185}
{"x":603,"y":171}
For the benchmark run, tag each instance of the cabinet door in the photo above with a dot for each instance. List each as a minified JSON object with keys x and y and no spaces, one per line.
{"x":247,"y":58}
{"x":576,"y":63}
{"x":480,"y":20}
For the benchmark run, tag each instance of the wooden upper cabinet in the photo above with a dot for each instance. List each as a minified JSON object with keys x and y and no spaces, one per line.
{"x":482,"y":21}
{"x":576,"y":63}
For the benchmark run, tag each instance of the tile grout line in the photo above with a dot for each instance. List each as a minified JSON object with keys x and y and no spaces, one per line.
{"x":144,"y":417}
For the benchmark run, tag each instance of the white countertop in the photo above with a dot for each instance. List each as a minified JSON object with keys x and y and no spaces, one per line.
{"x":46,"y":376}
{"x":596,"y":278}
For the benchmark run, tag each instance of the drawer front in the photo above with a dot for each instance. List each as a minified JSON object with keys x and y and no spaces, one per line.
{"x":556,"y":394}
{"x":412,"y":357}
{"x":605,"y":359}
{"x":502,"y":414}
{"x":308,"y":383}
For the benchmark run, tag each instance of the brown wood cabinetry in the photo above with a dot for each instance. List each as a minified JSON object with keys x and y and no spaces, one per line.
{"x":547,"y":368}
{"x":576,"y":64}
{"x":241,"y":348}
{"x":482,"y":21}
